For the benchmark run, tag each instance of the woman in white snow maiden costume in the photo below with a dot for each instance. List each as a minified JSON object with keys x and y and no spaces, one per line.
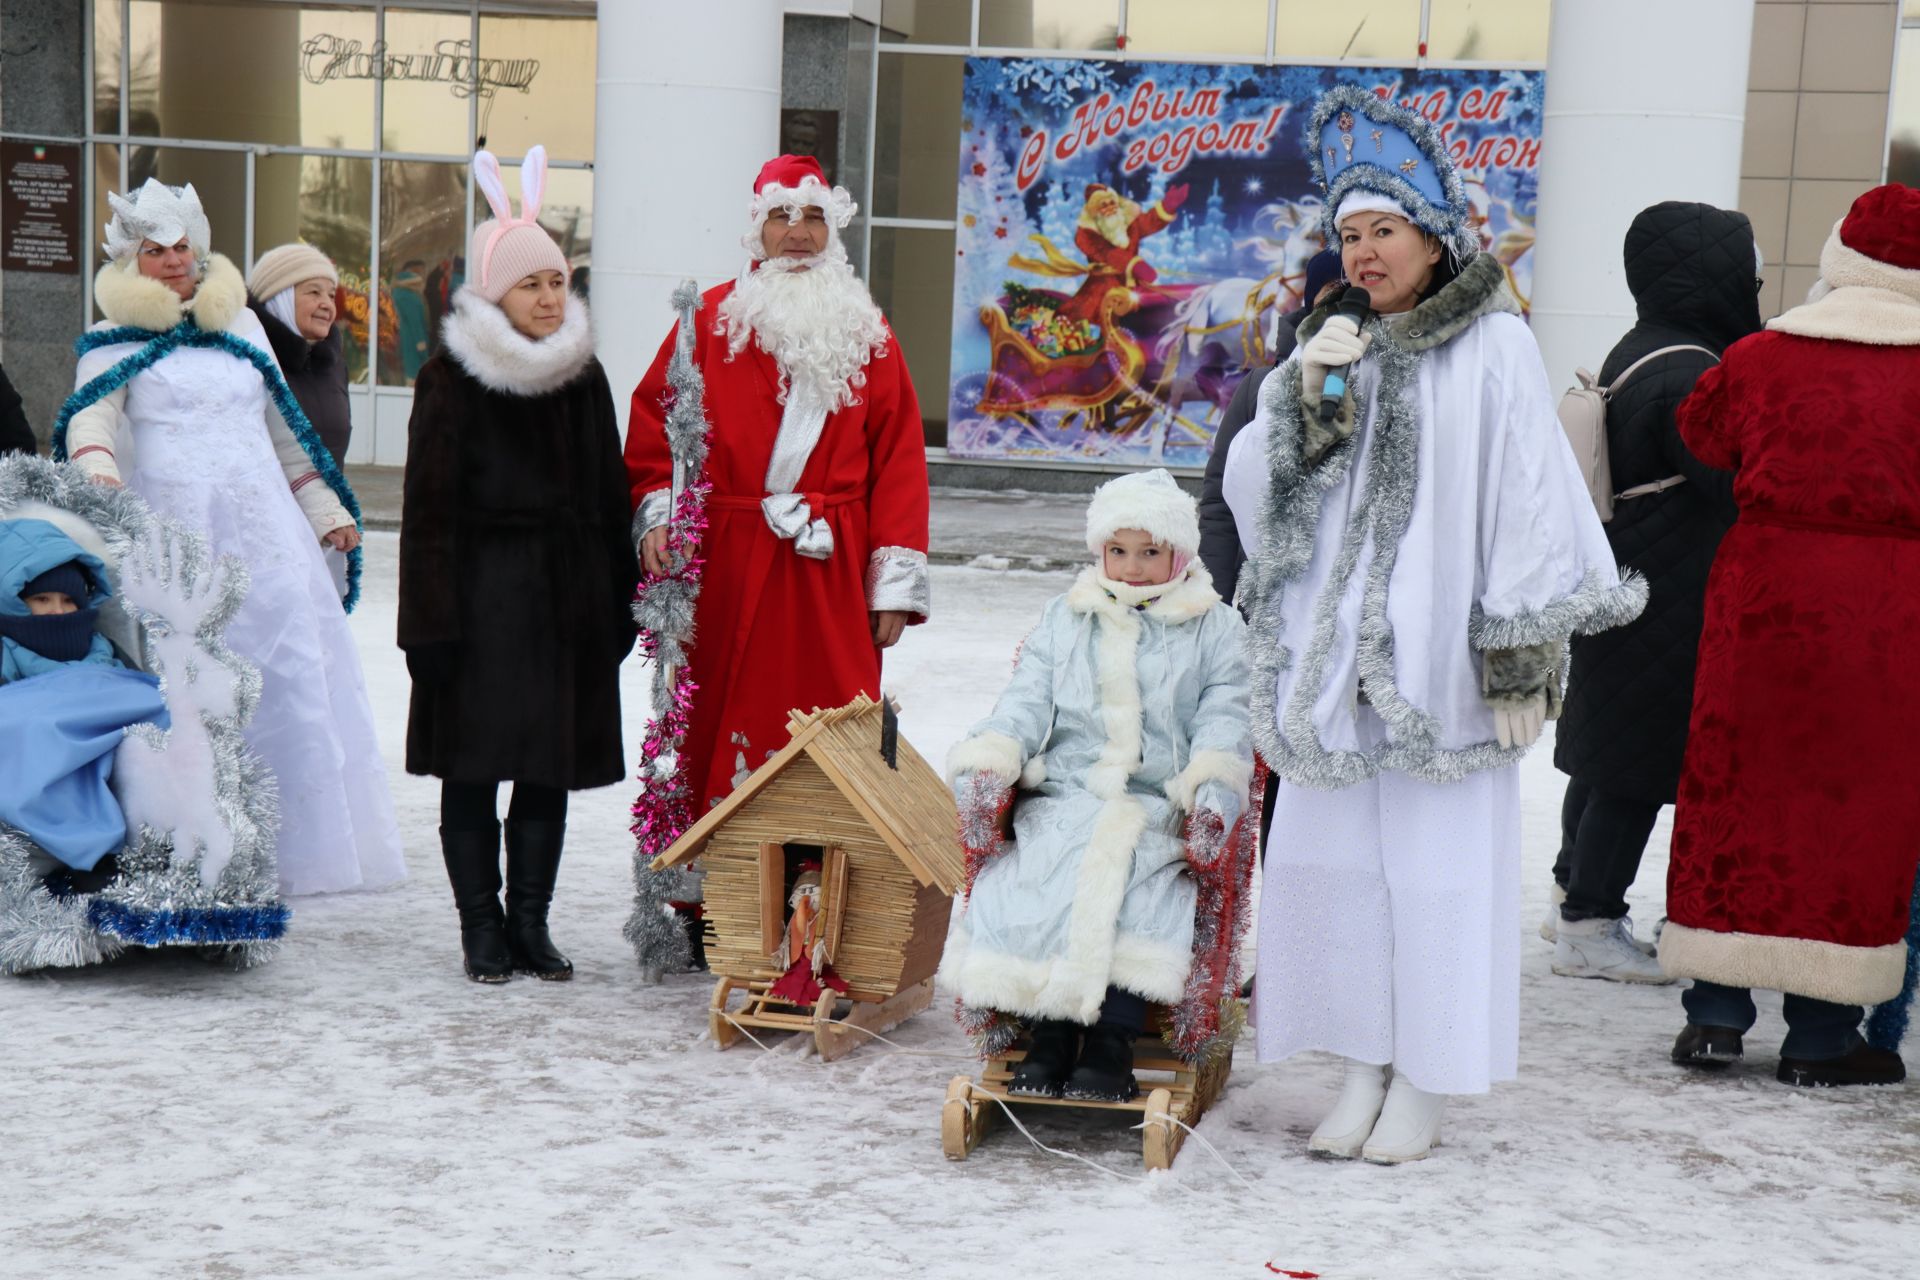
{"x":517,"y":572}
{"x":1416,"y":563}
{"x":179,"y":397}
{"x":132,"y":813}
{"x":1124,"y":726}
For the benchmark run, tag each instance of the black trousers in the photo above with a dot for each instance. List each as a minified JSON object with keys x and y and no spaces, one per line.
{"x":1601,"y":839}
{"x":474,"y":806}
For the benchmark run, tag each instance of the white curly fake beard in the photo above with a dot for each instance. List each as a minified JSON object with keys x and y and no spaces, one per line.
{"x":814,"y":316}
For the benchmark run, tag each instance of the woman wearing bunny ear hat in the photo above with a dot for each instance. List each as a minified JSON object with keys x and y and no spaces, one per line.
{"x":516,"y":577}
{"x":1417,"y":555}
{"x":179,"y":397}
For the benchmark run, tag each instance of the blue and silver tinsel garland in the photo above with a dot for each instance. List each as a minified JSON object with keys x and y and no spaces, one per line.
{"x":158,"y":899}
{"x":157,"y":347}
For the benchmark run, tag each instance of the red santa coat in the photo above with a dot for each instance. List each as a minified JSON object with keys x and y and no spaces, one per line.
{"x":1111,"y":265}
{"x":1798,"y":821}
{"x":775,"y":630}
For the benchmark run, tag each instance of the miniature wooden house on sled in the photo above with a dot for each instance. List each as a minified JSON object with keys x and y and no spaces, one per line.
{"x":829,"y":876}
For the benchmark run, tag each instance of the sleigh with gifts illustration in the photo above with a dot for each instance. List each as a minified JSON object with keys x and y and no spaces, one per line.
{"x":829,"y":876}
{"x":1183,"y":1057}
{"x":132,"y":812}
{"x":1095,"y":370}
{"x":1113,"y":375}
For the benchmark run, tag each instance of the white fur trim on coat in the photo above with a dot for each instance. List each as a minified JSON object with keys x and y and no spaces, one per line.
{"x":1115,"y":644}
{"x":1183,"y":600}
{"x":1802,"y":966}
{"x":1074,"y":984}
{"x":503,"y":359}
{"x":990,"y":753}
{"x":1864,"y":300}
{"x":1232,"y":771}
{"x":127,"y":297}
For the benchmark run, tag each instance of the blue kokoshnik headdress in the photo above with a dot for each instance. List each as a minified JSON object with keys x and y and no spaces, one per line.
{"x":1363,"y":142}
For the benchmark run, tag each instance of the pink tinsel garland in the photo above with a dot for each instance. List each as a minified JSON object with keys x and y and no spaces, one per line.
{"x":663,"y":810}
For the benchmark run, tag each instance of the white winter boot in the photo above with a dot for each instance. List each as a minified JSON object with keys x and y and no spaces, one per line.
{"x":1550,"y":927}
{"x":1346,"y":1127}
{"x":1409,"y":1125}
{"x":1604,"y":949}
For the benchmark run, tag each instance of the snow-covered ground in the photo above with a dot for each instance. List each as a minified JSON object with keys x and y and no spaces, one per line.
{"x":358,"y":1109}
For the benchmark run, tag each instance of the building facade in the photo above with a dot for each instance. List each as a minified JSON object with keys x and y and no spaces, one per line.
{"x":350,"y":126}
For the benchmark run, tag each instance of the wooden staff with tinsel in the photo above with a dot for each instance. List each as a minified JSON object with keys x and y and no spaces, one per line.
{"x":663,"y":608}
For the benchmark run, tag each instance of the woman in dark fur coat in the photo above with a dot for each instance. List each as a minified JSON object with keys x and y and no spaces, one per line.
{"x":516,"y":579}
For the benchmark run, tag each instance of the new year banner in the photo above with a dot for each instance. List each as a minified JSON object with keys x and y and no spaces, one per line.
{"x":1130,"y":232}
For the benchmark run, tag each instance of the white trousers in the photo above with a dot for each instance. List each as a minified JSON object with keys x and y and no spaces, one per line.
{"x":1389,"y":928}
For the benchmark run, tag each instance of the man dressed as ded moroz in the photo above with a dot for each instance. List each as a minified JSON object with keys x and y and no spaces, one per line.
{"x":816,"y":525}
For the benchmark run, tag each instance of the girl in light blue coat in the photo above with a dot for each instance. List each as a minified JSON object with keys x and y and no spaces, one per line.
{"x":1125,"y":728}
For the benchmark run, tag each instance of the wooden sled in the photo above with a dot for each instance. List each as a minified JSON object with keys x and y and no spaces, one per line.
{"x":1170,"y":1091}
{"x":833,"y":1036}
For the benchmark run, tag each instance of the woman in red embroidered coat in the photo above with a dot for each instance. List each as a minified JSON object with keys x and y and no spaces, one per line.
{"x":813,"y":415}
{"x":1798,"y":825}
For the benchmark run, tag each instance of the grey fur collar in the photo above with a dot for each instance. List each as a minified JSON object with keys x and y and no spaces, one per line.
{"x":1479,"y":290}
{"x":1289,"y":523}
{"x":503,"y":359}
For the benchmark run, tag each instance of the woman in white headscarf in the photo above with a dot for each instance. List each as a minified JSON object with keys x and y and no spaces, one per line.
{"x":178,"y":396}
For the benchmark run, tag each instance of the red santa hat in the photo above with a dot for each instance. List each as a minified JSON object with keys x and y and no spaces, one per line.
{"x":793,"y":183}
{"x":1876,"y":245}
{"x":1884,"y":224}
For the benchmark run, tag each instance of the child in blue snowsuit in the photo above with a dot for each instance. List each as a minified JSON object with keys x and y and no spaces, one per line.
{"x":66,"y":700}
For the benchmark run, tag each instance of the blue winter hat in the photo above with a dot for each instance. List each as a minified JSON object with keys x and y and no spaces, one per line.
{"x":69,"y":579}
{"x":1364,"y":143}
{"x":1323,"y":268}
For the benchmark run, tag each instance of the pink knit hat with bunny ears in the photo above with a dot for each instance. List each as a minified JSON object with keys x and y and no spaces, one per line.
{"x":506,"y":250}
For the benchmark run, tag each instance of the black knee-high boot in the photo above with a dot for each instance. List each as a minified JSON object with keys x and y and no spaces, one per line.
{"x":533,"y":863}
{"x":473,"y":869}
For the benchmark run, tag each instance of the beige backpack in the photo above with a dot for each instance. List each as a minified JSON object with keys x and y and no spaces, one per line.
{"x":1583,"y":416}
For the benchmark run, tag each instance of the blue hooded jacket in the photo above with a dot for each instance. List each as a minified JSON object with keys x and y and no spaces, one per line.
{"x":63,"y":720}
{"x":28,"y":548}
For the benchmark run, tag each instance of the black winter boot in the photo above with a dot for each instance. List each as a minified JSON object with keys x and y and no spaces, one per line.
{"x":473,"y":868}
{"x":1711,"y":1048}
{"x":1862,"y":1064}
{"x":694,"y":921}
{"x":533,"y":863}
{"x":1050,"y":1051}
{"x":1105,"y":1073}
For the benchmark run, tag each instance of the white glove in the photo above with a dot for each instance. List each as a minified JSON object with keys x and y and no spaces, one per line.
{"x":1520,"y":726}
{"x":1339,"y":343}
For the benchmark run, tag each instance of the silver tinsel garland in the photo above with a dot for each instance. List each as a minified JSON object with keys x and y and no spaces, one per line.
{"x":158,"y":898}
{"x":665,"y":611}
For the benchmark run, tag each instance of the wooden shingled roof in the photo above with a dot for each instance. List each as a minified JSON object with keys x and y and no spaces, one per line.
{"x":911,"y":809}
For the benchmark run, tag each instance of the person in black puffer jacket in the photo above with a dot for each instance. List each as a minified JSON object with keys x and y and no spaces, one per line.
{"x":293,"y":290}
{"x":1220,"y":547}
{"x":1693,"y":270}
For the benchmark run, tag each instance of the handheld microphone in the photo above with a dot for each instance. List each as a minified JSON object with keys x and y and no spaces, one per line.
{"x":1358,"y":306}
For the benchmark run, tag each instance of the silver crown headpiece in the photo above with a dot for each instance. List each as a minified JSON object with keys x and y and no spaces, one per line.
{"x":160,"y":213}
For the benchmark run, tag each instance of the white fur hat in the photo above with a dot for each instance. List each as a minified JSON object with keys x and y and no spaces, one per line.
{"x":1149,"y":501}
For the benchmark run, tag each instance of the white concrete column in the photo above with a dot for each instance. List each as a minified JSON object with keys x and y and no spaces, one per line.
{"x":1630,"y":121}
{"x":686,"y":111}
